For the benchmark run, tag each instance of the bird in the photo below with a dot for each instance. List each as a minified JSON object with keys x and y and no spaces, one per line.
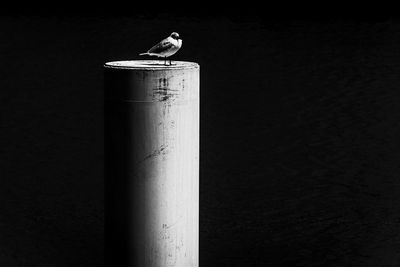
{"x":166,"y":47}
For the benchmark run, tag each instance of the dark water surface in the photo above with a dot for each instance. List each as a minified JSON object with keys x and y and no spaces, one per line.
{"x":300,"y":148}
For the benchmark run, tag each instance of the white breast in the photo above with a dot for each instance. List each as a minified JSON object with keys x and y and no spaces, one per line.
{"x":177,"y":45}
{"x":179,"y":41}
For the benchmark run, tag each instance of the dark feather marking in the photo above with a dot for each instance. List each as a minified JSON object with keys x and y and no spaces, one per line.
{"x":160,"y":47}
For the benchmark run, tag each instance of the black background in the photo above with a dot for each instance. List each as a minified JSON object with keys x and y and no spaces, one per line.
{"x":300,"y":125}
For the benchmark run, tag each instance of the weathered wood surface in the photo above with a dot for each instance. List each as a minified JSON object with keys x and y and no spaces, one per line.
{"x":152,"y":163}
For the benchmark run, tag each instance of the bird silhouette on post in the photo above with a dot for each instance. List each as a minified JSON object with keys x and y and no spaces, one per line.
{"x":166,"y":47}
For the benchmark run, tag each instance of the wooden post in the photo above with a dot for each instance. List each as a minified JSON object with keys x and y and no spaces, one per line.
{"x":151,"y":163}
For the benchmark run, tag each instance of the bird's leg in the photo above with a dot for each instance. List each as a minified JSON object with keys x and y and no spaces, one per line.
{"x":170,"y":62}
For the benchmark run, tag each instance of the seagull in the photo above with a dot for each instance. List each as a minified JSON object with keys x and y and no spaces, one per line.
{"x":166,"y":47}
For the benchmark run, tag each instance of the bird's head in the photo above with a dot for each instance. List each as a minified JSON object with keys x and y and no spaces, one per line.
{"x":175,"y":35}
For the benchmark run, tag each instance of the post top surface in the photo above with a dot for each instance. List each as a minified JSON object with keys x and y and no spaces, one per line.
{"x":150,"y":65}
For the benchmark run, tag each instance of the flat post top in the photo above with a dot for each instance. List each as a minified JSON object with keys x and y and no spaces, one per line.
{"x":151,"y":65}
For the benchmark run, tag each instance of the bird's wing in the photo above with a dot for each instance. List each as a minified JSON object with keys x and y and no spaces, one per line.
{"x":161,"y":46}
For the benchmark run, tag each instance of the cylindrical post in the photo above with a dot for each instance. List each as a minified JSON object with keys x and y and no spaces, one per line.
{"x":151,"y":163}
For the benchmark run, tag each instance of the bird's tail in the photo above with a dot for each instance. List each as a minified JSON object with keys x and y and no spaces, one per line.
{"x":142,"y":54}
